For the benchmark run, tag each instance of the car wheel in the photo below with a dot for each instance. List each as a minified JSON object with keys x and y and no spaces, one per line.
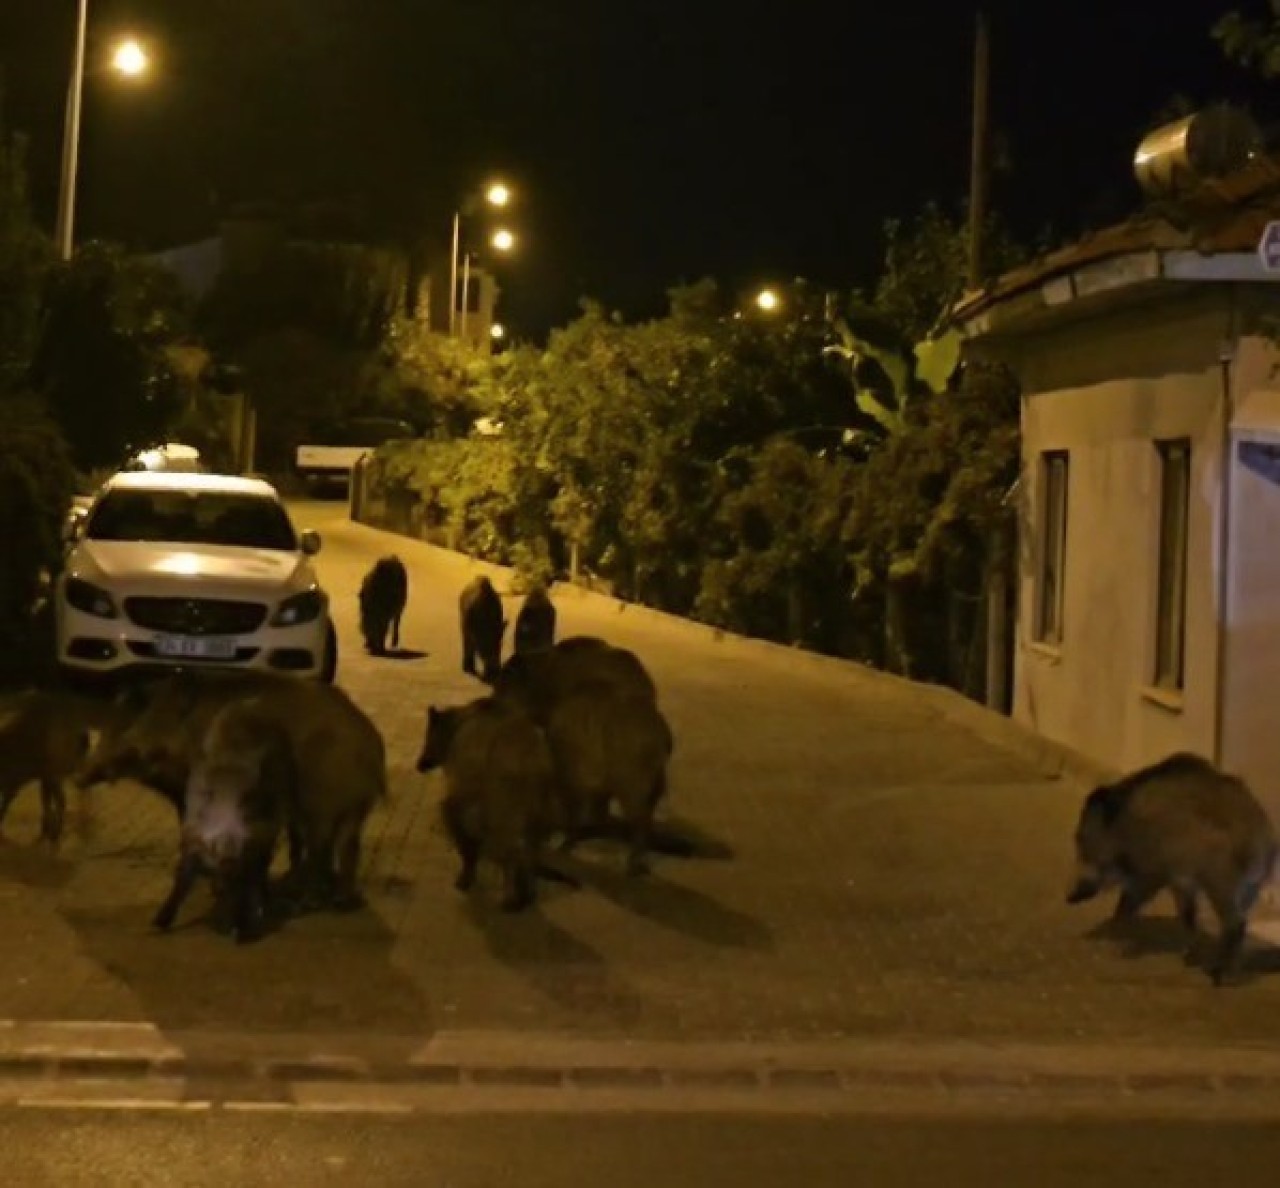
{"x":329,"y":666}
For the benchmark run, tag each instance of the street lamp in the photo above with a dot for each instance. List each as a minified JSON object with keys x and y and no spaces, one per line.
{"x":496,"y":194}
{"x":502,"y":240}
{"x":768,"y":300}
{"x":129,"y":59}
{"x":497,"y":332}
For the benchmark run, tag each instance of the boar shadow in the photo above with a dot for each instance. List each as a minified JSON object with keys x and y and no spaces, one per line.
{"x":325,"y":974}
{"x":33,"y":864}
{"x":558,"y":966}
{"x":1162,"y":935}
{"x":672,"y":836}
{"x":677,"y":907}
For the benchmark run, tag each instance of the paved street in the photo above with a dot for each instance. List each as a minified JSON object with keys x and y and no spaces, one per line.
{"x":59,"y":1150}
{"x":870,"y":871}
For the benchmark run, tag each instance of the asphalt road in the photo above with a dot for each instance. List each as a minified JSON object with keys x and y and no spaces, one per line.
{"x":67,"y":1149}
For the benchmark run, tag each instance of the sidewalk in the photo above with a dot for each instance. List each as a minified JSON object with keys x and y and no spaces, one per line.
{"x":878,"y":873}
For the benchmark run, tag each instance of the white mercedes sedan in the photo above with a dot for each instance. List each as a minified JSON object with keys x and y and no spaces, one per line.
{"x":191,"y":570}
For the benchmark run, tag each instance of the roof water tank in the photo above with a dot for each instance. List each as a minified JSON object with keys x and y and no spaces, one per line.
{"x":1209,"y":143}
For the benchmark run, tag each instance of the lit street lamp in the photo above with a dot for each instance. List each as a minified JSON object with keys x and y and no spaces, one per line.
{"x":497,"y":332}
{"x":496,"y":194}
{"x":502,"y":240}
{"x":767,"y":300}
{"x":128,"y":59}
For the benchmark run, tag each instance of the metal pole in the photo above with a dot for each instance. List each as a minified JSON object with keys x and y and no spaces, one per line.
{"x":978,"y":155}
{"x":71,"y":140}
{"x":466,"y":284}
{"x":453,"y":273}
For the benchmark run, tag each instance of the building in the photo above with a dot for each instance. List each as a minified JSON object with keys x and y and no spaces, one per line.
{"x":1149,"y":566}
{"x":248,"y":240}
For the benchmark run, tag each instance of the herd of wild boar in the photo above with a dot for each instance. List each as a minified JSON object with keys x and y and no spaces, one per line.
{"x":567,"y":731}
{"x":254,"y":760}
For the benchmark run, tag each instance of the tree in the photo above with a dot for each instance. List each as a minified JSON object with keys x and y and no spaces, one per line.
{"x":1253,"y":42}
{"x":25,"y":256}
{"x":309,"y":325}
{"x":101,"y":361}
{"x":36,"y":480}
{"x":925,"y":270}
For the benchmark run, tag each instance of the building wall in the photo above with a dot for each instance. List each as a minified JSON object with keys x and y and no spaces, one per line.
{"x":1251,"y":633}
{"x":1105,"y":390}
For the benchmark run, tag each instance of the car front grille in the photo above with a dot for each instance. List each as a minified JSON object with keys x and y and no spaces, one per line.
{"x":196,"y":616}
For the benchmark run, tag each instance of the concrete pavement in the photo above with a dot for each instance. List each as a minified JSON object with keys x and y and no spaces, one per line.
{"x":874,"y":872}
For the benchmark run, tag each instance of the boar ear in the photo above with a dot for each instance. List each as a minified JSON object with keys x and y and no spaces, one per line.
{"x":1107,"y":800}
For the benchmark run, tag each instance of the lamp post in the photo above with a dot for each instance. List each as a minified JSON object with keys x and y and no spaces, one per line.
{"x":496,"y":194}
{"x":129,"y":59}
{"x":502,"y":240}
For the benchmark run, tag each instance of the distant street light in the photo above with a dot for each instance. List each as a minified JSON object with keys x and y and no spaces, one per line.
{"x":767,"y":300}
{"x":129,"y":59}
{"x":503,"y":240}
{"x":497,"y":331}
{"x":495,"y":194}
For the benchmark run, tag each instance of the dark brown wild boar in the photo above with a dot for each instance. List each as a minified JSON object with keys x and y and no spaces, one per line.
{"x":480,"y":612}
{"x":498,"y":801}
{"x":44,"y":738}
{"x":338,"y":752}
{"x":610,"y":744}
{"x":536,"y":622}
{"x":539,"y":680}
{"x":1184,"y":825}
{"x":240,"y":798}
{"x":383,"y":596}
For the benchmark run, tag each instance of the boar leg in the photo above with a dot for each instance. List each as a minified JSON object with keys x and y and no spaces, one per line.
{"x":467,"y":846}
{"x":1232,"y":916}
{"x":346,"y":894}
{"x":1134,"y":896}
{"x":517,"y":883}
{"x":7,"y":796}
{"x":53,"y":809}
{"x":184,"y":879}
{"x":250,"y":897}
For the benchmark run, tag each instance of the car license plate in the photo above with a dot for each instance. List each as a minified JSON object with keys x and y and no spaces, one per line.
{"x":189,"y":647}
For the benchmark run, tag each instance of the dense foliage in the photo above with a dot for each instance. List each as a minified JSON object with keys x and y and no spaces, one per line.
{"x":816,"y":476}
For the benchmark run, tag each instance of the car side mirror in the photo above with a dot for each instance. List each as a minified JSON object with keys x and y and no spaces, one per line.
{"x":73,"y":526}
{"x":310,"y":541}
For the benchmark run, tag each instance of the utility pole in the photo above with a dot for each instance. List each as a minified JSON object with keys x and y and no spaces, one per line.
{"x":978,"y":154}
{"x":1000,"y":554}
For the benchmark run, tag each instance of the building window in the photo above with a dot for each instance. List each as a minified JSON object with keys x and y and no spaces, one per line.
{"x":1053,"y":545}
{"x":1171,"y":564}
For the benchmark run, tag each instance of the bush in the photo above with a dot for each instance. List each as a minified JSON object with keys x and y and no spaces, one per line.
{"x":36,"y":485}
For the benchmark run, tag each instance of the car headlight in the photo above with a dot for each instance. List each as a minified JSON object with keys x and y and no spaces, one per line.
{"x":300,"y":608}
{"x":91,"y":599}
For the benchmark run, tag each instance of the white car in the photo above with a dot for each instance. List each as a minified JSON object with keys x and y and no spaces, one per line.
{"x":191,"y":570}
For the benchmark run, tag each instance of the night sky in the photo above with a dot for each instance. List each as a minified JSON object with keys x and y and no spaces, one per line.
{"x":651,"y":142}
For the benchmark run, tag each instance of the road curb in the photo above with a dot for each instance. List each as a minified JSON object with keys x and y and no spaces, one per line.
{"x":475,"y":1061}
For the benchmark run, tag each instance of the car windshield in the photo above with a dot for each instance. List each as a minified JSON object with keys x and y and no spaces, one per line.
{"x":192,"y":517}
